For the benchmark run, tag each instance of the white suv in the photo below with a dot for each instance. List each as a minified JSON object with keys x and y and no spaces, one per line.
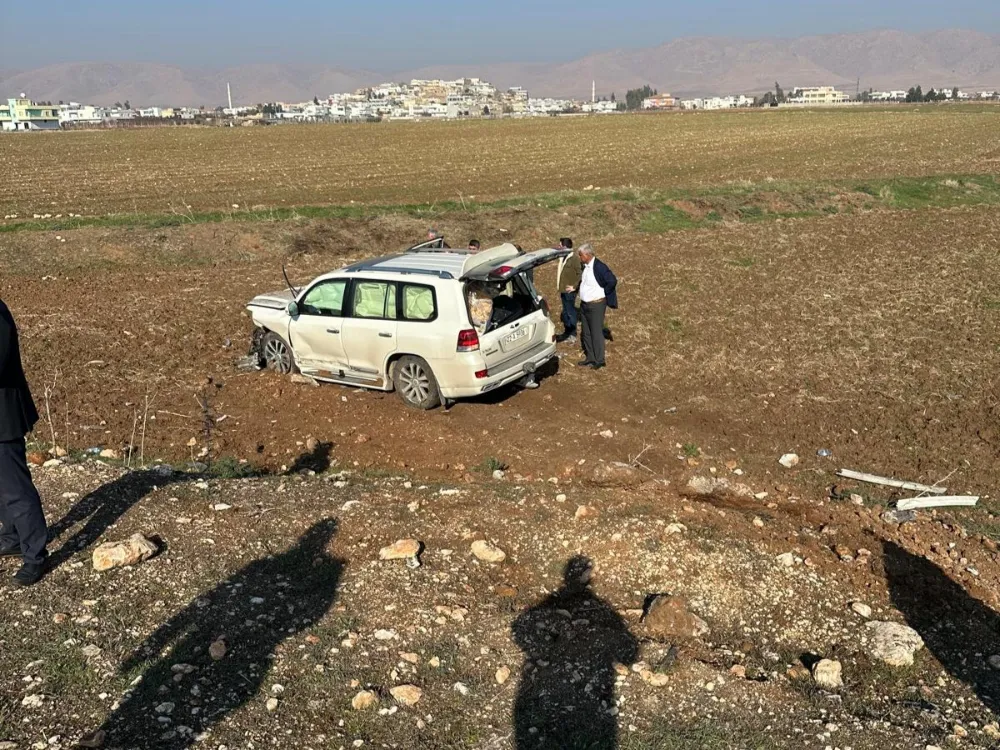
{"x":433,"y":324}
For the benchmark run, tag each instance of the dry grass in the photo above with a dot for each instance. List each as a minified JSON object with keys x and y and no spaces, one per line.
{"x":182,"y":170}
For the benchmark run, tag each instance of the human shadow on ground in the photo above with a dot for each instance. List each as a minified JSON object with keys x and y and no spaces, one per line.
{"x":959,"y":630}
{"x":187,"y":689}
{"x":571,"y":643}
{"x":103,"y":507}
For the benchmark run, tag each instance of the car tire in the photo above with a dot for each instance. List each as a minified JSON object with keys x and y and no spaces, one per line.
{"x":415,"y":383}
{"x":276,"y":354}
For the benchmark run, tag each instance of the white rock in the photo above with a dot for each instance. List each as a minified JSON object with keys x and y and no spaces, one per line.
{"x":827,"y":673}
{"x":364,"y":699}
{"x":893,"y":643}
{"x":407,"y":695}
{"x":487,"y":552}
{"x":221,"y":506}
{"x":33,"y":701}
{"x":384,"y":635}
{"x":499,"y":475}
{"x":272,"y":704}
{"x":995,"y":661}
{"x":789,"y":460}
{"x":503,"y":674}
{"x":787,"y":559}
{"x":608,"y":434}
{"x":861,"y":609}
{"x":676,"y":528}
{"x":165,"y":708}
{"x":461,"y":688}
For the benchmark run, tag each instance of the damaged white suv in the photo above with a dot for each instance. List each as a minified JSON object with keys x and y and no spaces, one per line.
{"x":432,"y":323}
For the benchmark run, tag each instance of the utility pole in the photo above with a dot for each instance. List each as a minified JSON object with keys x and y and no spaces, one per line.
{"x":229,"y":95}
{"x":593,"y":91}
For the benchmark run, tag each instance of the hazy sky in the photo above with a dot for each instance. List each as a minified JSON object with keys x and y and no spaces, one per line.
{"x":393,"y":35}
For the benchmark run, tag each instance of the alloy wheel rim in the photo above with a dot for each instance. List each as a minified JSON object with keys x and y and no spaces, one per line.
{"x":416,"y":384}
{"x":276,"y":355}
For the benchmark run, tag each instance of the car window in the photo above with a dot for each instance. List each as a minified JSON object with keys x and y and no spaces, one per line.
{"x":374,"y":299}
{"x":326,"y":298}
{"x":418,"y":302}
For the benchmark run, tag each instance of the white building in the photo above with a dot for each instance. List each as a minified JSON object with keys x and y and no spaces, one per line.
{"x":818,"y":96}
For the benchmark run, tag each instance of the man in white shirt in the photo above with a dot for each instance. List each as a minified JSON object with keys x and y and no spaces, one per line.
{"x":598,"y":292}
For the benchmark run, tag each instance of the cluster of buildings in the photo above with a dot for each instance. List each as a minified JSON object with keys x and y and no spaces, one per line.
{"x":418,"y":99}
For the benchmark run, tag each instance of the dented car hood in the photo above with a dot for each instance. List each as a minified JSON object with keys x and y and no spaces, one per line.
{"x":273,"y":300}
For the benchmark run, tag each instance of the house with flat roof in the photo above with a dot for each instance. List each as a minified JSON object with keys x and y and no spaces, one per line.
{"x":23,"y":114}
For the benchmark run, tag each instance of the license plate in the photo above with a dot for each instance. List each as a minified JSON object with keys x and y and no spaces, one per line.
{"x":510,"y":338}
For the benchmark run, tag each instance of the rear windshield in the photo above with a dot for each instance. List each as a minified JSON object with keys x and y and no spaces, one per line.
{"x":493,"y":305}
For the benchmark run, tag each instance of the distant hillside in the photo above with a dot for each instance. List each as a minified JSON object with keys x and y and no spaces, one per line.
{"x":699,"y":65}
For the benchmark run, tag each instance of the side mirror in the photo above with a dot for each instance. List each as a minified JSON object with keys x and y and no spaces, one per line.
{"x":293,"y":309}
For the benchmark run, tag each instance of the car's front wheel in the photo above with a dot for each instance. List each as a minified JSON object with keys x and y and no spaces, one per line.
{"x":415,"y":383}
{"x":277,"y":355}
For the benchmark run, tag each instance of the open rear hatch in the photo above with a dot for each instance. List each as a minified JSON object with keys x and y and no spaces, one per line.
{"x":505,"y":269}
{"x":519,"y":327}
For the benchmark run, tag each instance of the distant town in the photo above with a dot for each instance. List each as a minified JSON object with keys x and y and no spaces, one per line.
{"x":438,"y":100}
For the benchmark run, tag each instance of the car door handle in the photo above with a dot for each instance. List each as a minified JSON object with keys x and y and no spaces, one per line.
{"x":385,"y":335}
{"x":333,"y":330}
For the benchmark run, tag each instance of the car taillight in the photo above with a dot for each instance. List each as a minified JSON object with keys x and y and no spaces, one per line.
{"x":501,"y":271}
{"x":468,"y":341}
{"x":482,"y":374}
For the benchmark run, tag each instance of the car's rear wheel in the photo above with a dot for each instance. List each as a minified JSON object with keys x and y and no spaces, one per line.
{"x":415,"y":383}
{"x":277,"y":355}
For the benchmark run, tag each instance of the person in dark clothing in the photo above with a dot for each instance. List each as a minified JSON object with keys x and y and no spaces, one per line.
{"x":571,"y":642}
{"x":568,"y":282}
{"x":598,"y":292}
{"x":22,"y":523}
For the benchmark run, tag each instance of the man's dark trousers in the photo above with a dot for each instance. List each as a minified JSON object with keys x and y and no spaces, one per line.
{"x":569,"y":312}
{"x":21,"y":514}
{"x":592,"y":322}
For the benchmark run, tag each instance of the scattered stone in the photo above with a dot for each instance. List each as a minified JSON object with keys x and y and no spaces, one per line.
{"x":716,"y":487}
{"x":615,"y":474}
{"x":797,"y":672}
{"x":221,"y":506}
{"x":303,"y":380}
{"x":364,"y":699}
{"x":111,"y":454}
{"x":758,"y":522}
{"x":499,"y":475}
{"x":33,"y":701}
{"x":789,"y":460}
{"x":857,"y":499}
{"x":404,"y":549}
{"x":487,"y":552}
{"x":217,"y":650}
{"x":461,"y":688}
{"x":899,"y":516}
{"x":992,"y":730}
{"x":827,"y":673}
{"x":668,"y":617}
{"x":995,"y":661}
{"x":676,"y":528}
{"x":52,"y":463}
{"x":607,"y":434}
{"x":36,"y":458}
{"x":165,"y":708}
{"x":738,"y":670}
{"x":384,"y":635}
{"x":119,"y":554}
{"x":893,"y":642}
{"x":91,"y":651}
{"x":584,"y":511}
{"x":656,"y":679}
{"x":410,"y":657}
{"x":406,"y":695}
{"x":861,"y":609}
{"x":59,"y":618}
{"x":312,"y":444}
{"x":434,"y":662}
{"x":272,"y":704}
{"x":786,"y":559}
{"x":502,"y":675}
{"x":845,"y":554}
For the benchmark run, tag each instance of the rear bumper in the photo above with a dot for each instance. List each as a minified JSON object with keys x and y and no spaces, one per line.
{"x":474,"y":388}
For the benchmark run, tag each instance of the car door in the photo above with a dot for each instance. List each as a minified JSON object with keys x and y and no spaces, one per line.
{"x":369,"y":333}
{"x":316,"y":333}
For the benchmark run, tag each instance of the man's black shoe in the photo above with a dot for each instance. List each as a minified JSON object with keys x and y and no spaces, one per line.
{"x":10,"y":551}
{"x":585,"y":363}
{"x":28,"y":575}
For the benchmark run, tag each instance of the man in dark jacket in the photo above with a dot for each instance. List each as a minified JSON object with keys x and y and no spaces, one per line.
{"x":598,"y":292}
{"x":568,"y":281}
{"x":22,"y":524}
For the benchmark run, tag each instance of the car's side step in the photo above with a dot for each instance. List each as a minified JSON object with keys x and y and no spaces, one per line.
{"x":376,"y":385}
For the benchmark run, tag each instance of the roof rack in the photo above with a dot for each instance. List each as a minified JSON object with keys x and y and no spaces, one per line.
{"x":398,"y":269}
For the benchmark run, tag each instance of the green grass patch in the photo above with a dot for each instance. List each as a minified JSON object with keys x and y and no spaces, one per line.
{"x":666,"y":218}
